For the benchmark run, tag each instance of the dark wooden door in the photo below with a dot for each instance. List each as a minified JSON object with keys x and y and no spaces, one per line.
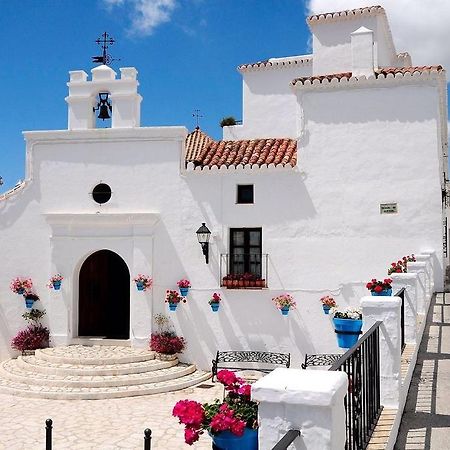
{"x":104,"y":296}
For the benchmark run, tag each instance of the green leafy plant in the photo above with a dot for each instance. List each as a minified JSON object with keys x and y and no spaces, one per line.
{"x":228,"y":121}
{"x":34,"y":316}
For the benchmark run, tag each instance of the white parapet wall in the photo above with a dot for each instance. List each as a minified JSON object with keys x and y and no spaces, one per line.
{"x":309,"y":401}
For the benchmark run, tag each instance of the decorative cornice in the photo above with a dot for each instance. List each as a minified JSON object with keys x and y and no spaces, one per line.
{"x":348,"y":14}
{"x":281,"y":63}
{"x":340,"y":80}
{"x":191,"y":167}
{"x":17,"y":189}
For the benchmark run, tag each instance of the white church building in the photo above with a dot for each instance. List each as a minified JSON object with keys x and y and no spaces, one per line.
{"x":338,"y":169}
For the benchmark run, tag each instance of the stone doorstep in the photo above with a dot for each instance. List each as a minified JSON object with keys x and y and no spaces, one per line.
{"x":61,"y":393}
{"x":17,"y":374}
{"x":32,"y":364}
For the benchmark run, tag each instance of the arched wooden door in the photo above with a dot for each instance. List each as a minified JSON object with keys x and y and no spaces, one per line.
{"x":104,"y":296}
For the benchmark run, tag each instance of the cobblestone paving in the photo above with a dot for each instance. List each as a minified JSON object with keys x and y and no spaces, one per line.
{"x":100,"y":424}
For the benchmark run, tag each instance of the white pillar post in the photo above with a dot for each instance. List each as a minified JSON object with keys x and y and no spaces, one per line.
{"x":409,"y":282}
{"x":419,"y":269}
{"x":387,"y":310}
{"x":431,"y":254}
{"x":428,"y":288}
{"x":311,"y":401}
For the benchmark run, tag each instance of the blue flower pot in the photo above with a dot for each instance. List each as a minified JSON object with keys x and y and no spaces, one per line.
{"x":21,"y":291}
{"x":215,"y":307}
{"x":385,"y":293}
{"x":29,"y":302}
{"x":56,"y":285}
{"x":226,"y":440}
{"x":347,"y":331}
{"x":140,"y":285}
{"x":326,"y":309}
{"x":173,"y":306}
{"x":285,"y":310}
{"x":184,"y":291}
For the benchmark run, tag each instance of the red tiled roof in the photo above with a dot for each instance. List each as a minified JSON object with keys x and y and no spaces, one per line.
{"x":233,"y":153}
{"x":380,"y":72}
{"x":349,"y":12}
{"x":195,"y":142}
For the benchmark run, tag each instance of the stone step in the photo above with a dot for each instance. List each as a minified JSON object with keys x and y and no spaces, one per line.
{"x":35,"y":364}
{"x":95,"y":393}
{"x":94,"y":355}
{"x":13,"y":371}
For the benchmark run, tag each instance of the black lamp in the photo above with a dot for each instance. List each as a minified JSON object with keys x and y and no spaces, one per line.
{"x":203,"y":235}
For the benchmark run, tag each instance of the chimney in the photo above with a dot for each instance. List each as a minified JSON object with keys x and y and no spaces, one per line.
{"x":362,"y":52}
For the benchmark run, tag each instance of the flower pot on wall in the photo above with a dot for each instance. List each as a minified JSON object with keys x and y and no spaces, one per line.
{"x":326,"y":309}
{"x":226,"y":440}
{"x":56,"y":285}
{"x":184,"y":291}
{"x":215,"y":307}
{"x":285,"y":310}
{"x":383,"y":293}
{"x":29,"y":302}
{"x":173,"y":306}
{"x":347,"y":331}
{"x":140,"y":285}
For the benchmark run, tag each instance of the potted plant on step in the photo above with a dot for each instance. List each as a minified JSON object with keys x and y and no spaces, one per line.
{"x":284,"y":303}
{"x":232,"y":422}
{"x":378,"y":287}
{"x":173,"y":298}
{"x":215,"y":302}
{"x":347,"y":325}
{"x":165,"y":341}
{"x":55,"y":282}
{"x":34,"y":336}
{"x":143,"y":282}
{"x":183,"y":286}
{"x":328,"y":303}
{"x":20,"y":285}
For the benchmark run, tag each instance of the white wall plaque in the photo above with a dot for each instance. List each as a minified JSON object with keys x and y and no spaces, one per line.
{"x":388,"y":208}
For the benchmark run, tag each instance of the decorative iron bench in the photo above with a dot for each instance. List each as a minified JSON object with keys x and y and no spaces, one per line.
{"x":321,"y":359}
{"x":241,"y":360}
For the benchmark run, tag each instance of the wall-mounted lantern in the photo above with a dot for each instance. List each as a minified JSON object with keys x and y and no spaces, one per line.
{"x":203,"y":235}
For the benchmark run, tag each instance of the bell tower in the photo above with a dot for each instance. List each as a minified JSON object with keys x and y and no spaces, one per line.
{"x":119,"y":98}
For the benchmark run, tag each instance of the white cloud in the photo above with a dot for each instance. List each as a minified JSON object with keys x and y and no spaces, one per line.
{"x":145,"y":15}
{"x":420,"y":27}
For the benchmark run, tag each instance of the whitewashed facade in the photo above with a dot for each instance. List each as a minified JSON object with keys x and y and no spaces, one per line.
{"x":370,"y":129}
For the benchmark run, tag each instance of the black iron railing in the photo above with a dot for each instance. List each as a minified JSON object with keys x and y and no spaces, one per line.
{"x":244,"y":270}
{"x":361,"y":363}
{"x":287,"y":440}
{"x":49,"y":428}
{"x":401,"y":294}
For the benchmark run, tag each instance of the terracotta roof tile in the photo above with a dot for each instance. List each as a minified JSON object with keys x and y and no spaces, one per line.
{"x":194,"y":143}
{"x":205,"y":152}
{"x":380,"y":72}
{"x":347,"y":13}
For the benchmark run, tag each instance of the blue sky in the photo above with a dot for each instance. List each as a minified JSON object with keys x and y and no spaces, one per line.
{"x":186,"y":52}
{"x":186,"y":63}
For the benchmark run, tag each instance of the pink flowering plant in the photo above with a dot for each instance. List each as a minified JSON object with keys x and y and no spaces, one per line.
{"x":55,"y":279}
{"x":284,"y":301}
{"x":174,"y":297}
{"x":215,"y":298}
{"x":234,"y":413}
{"x":145,"y":280}
{"x":20,"y":285}
{"x":401,"y":266}
{"x":328,"y":301}
{"x":184,"y":283}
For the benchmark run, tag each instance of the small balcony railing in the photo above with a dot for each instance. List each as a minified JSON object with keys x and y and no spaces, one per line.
{"x":244,"y":271}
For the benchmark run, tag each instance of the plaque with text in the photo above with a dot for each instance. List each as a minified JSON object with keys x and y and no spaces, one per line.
{"x":388,"y":208}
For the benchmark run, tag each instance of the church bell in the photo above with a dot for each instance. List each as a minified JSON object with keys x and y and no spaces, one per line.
{"x":103,"y":106}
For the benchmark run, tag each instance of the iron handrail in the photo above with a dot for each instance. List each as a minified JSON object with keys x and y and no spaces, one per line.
{"x":401,"y":294}
{"x":287,"y":440}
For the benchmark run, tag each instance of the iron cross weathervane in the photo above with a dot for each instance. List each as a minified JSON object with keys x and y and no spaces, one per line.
{"x":105,"y":40}
{"x":197,"y":116}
